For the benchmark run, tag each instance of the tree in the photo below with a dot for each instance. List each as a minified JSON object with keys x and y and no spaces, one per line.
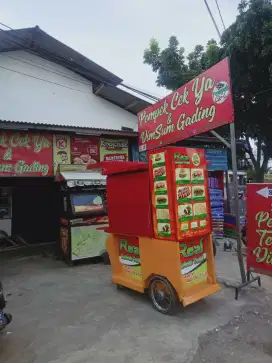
{"x":248,"y":44}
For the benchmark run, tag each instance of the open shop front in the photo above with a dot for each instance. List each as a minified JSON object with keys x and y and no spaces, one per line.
{"x":29,"y":196}
{"x":83,"y":213}
{"x":28,"y":211}
{"x":27,"y":193}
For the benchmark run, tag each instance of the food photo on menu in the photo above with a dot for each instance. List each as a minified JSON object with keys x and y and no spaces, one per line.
{"x":184,"y":227}
{"x":84,"y":159}
{"x":197,"y":176}
{"x":198,"y":192}
{"x":158,"y":159}
{"x":203,"y":223}
{"x":161,"y":201}
{"x":159,"y":173}
{"x":163,"y":215}
{"x":160,"y":187}
{"x":194,"y":225}
{"x":184,"y":194}
{"x":200,"y":210}
{"x":183,"y":176}
{"x":164,"y":229}
{"x":185,"y":212}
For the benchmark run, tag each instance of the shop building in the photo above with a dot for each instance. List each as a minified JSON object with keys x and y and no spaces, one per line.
{"x":56,"y":106}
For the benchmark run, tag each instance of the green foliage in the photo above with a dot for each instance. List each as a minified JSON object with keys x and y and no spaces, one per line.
{"x":248,"y":43}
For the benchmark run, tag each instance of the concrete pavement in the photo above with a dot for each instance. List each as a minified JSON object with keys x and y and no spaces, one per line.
{"x":76,"y":315}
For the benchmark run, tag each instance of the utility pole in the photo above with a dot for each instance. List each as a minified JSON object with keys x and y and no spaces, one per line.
{"x":235,"y":177}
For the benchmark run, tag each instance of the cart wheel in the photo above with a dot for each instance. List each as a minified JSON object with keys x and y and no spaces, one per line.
{"x":163,"y":295}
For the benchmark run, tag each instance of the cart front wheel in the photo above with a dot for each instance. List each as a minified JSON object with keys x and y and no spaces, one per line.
{"x":163,"y":295}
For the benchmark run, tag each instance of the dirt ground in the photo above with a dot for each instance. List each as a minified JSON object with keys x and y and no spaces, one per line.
{"x":245,"y":339}
{"x":76,"y":315}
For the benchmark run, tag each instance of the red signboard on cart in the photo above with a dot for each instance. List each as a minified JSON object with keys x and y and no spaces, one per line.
{"x":202,"y":104}
{"x":259,"y":228}
{"x":25,"y":154}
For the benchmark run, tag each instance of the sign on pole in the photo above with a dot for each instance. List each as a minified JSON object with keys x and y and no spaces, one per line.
{"x":202,"y":104}
{"x":259,"y":228}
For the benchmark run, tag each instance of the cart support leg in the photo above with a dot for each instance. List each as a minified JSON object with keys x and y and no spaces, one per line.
{"x":250,"y":280}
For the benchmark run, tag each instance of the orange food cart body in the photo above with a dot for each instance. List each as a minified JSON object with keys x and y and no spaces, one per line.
{"x":160,"y":223}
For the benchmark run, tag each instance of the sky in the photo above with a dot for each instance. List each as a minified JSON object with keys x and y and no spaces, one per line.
{"x":114,"y":33}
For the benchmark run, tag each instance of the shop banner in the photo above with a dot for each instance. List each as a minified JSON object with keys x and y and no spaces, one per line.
{"x":113,"y":150}
{"x":202,"y":104}
{"x":85,"y":150}
{"x":61,"y":150}
{"x":217,"y":159}
{"x":259,"y":228}
{"x":129,"y":256}
{"x":26,"y":154}
{"x":193,"y":260}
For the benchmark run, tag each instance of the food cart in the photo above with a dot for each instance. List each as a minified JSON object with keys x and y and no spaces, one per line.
{"x":160,"y":227}
{"x":83,"y":213}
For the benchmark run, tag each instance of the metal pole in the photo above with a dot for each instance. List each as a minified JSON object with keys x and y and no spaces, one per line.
{"x":226,"y":174}
{"x":236,"y":201}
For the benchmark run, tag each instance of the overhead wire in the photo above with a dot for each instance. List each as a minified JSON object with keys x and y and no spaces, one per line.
{"x":51,"y":70}
{"x":57,"y":72}
{"x":144,"y":91}
{"x":220,"y":14}
{"x":44,"y":80}
{"x":34,"y":64}
{"x":213,"y":20}
{"x":61,"y":58}
{"x":26,"y":37}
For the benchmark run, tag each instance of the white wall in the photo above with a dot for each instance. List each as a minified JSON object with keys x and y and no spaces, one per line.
{"x":23,"y":98}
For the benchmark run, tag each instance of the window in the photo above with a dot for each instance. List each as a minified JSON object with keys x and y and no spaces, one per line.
{"x":83,"y":203}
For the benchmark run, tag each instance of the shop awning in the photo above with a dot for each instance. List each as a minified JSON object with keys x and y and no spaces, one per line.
{"x":78,"y":175}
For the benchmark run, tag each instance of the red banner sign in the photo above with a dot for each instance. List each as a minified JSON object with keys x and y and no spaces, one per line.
{"x":203,"y":104}
{"x":85,"y":150}
{"x":259,"y":228}
{"x":24,"y":154}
